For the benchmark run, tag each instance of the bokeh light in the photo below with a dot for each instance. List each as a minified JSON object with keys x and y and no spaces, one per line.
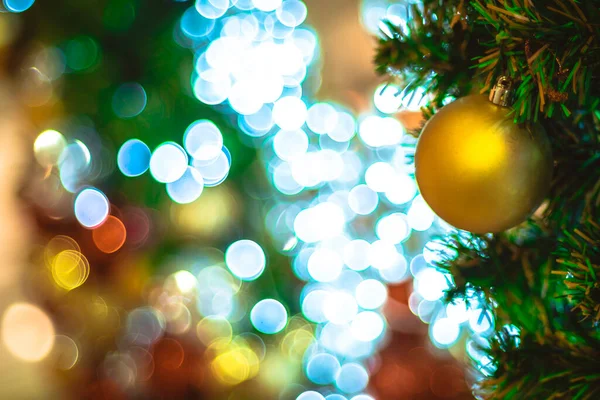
{"x":17,"y":6}
{"x":203,"y":140}
{"x":363,"y":397}
{"x":284,"y":181}
{"x":336,"y":187}
{"x":345,"y":129}
{"x":214,"y":172}
{"x":415,"y":100}
{"x":212,"y":86}
{"x":322,"y":368}
{"x":245,"y":259}
{"x":363,"y":200}
{"x":70,"y":269}
{"x":395,"y":271}
{"x":298,"y":339}
{"x":322,"y":118}
{"x":74,"y":165}
{"x":380,"y":176}
{"x":291,"y":13}
{"x":217,"y":288}
{"x":268,"y":316}
{"x":352,"y":378}
{"x":435,"y":251}
{"x":65,"y":352}
{"x":445,"y":332}
{"x":397,"y":14}
{"x":186,"y":281}
{"x":168,"y":162}
{"x":267,"y":5}
{"x":133,"y":158}
{"x":259,"y":123}
{"x":388,"y":98}
{"x":431,"y":284}
{"x":420,"y":217}
{"x":377,"y":131}
{"x":187,"y":188}
{"x":194,"y":25}
{"x":242,"y":96}
{"x":402,"y":190}
{"x":367,"y":326}
{"x":235,"y":364}
{"x":27,"y":332}
{"x":356,"y":254}
{"x":382,"y":254}
{"x":58,"y":244}
{"x":213,"y":328}
{"x":372,"y":14}
{"x":371,"y":294}
{"x":91,"y":207}
{"x":144,"y":326}
{"x":457,"y":311}
{"x":48,"y":147}
{"x":129,"y":100}
{"x":289,"y":113}
{"x":110,"y":236}
{"x":481,"y":321}
{"x":323,"y":221}
{"x":310,"y":395}
{"x":345,"y":209}
{"x":312,"y":305}
{"x":393,"y":228}
{"x":325,"y":265}
{"x":290,"y":144}
{"x":168,"y":354}
{"x":81,"y":53}
{"x":212,"y":8}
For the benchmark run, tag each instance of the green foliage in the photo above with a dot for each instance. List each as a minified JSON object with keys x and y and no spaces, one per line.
{"x":556,"y":368}
{"x":513,"y":274}
{"x":541,"y":349}
{"x":433,"y":52}
{"x":551,"y":47}
{"x":575,"y":192}
{"x":579,"y":256}
{"x":539,"y":280}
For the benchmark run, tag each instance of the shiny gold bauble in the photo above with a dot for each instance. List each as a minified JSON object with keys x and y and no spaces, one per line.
{"x":478,"y":170}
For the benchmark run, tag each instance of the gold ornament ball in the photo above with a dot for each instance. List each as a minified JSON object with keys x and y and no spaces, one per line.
{"x":478,"y":170}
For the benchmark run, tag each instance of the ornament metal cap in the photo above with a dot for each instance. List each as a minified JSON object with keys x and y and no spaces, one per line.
{"x":502,"y":92}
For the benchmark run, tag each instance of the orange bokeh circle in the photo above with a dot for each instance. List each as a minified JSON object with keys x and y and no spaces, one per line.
{"x":110,"y":236}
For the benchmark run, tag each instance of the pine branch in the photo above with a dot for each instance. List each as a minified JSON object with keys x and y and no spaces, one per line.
{"x":579,"y":257}
{"x":551,"y":47}
{"x":541,"y":351}
{"x":513,"y":273}
{"x":558,"y":368}
{"x":434,"y":52}
{"x":575,"y":191}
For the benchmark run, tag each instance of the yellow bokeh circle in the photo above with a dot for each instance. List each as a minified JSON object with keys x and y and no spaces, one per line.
{"x":214,"y":328}
{"x":70,"y":269}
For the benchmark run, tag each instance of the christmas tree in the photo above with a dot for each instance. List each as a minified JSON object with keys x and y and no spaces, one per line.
{"x":537,"y":280}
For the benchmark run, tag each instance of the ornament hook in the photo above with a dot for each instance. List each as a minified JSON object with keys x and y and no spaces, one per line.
{"x":502,"y":93}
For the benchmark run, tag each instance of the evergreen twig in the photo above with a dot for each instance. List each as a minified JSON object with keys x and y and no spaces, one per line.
{"x":579,"y":257}
{"x":539,"y":282}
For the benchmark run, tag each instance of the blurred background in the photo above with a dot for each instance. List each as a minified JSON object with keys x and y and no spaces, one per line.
{"x":216,"y":200}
